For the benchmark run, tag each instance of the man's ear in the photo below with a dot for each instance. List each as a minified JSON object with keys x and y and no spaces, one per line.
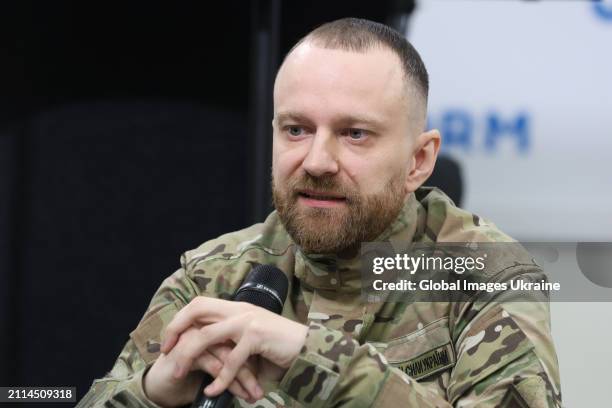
{"x":424,"y":155}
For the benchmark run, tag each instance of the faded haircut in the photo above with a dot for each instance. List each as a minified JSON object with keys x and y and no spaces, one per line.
{"x":360,"y":35}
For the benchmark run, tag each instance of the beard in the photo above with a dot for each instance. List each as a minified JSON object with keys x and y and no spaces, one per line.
{"x":362,"y":218}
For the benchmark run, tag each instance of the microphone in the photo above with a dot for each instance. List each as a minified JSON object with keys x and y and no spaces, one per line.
{"x":265,"y":286}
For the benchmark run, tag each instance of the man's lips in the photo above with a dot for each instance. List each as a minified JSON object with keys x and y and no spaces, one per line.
{"x":321,"y":195}
{"x":320,"y":198}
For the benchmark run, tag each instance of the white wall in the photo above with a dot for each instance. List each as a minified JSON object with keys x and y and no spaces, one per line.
{"x":583,"y":334}
{"x":543,"y":72}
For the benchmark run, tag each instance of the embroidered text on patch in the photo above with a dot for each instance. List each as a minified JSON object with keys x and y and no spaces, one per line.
{"x":428,"y":363}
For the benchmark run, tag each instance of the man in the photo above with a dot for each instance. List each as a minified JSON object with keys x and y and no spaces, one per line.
{"x":349,"y":156}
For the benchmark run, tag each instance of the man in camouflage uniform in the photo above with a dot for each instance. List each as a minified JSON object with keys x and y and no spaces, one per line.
{"x":349,"y":159}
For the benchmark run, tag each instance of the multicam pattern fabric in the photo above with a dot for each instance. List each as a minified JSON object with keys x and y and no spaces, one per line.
{"x":385,"y":354}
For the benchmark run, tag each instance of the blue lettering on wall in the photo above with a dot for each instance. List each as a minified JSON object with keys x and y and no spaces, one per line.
{"x":458,"y":128}
{"x":461,"y":129}
{"x":603,"y":11}
{"x":498,"y":128}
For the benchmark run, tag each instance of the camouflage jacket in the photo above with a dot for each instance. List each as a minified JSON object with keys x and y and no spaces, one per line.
{"x":437,"y":354}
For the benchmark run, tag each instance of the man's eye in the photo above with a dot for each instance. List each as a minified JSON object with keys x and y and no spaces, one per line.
{"x":356,"y":134}
{"x":295,"y":130}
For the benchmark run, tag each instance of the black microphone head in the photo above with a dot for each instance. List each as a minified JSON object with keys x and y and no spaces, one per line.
{"x":265,"y":286}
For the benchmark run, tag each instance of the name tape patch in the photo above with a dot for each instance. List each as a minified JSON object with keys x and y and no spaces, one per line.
{"x":428,"y":363}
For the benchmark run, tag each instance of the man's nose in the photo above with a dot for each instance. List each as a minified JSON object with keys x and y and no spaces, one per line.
{"x":321,"y":159}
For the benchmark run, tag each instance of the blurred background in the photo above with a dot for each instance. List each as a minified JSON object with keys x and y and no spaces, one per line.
{"x":131,"y":132}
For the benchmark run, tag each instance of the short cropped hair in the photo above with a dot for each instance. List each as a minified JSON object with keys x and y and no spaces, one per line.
{"x":356,"y":34}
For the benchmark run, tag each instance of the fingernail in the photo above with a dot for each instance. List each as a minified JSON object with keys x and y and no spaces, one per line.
{"x":258,"y":391}
{"x":208,"y":390}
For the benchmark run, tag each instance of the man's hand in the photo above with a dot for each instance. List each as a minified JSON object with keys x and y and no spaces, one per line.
{"x":163,"y":387}
{"x":253,"y":330}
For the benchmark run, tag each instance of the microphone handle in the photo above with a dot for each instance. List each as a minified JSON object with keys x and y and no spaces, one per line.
{"x":220,"y":401}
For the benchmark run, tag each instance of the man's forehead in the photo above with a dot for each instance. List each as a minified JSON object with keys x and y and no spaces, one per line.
{"x":309,"y":54}
{"x":314,"y":70}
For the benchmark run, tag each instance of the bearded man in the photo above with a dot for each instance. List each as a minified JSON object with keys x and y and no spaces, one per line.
{"x":350,"y":153}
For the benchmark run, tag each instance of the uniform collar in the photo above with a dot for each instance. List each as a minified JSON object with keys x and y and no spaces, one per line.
{"x":342,"y":272}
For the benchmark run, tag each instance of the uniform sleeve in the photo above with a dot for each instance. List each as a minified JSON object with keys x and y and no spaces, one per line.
{"x":505,"y":353}
{"x":122,"y":386}
{"x":505,"y":358}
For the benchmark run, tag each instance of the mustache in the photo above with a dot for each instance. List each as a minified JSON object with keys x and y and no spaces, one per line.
{"x":325,"y":183}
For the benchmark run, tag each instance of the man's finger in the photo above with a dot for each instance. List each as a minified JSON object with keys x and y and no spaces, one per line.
{"x":209,"y":363}
{"x":198,"y":307}
{"x":234,"y":361}
{"x":246,"y":374}
{"x":203,"y":310}
{"x":198,"y":341}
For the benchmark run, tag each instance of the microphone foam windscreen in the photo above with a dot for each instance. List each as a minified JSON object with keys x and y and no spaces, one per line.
{"x":265,"y":286}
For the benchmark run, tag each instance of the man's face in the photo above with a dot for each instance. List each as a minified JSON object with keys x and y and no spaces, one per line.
{"x":342,"y":144}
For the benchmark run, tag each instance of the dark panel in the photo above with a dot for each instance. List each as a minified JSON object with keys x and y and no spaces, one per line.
{"x":448,"y":177}
{"x":9,"y":157}
{"x":115,"y":192}
{"x":61,"y":51}
{"x":300,"y":17}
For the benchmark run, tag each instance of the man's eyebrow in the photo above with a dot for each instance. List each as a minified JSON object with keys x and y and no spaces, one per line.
{"x":290,"y":116}
{"x":348,"y":120}
{"x":366,"y":120}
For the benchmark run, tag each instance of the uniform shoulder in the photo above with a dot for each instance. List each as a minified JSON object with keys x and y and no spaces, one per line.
{"x":445,"y":222}
{"x":269,"y":236}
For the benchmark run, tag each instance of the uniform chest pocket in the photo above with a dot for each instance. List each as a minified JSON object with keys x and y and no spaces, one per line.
{"x":422,"y":353}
